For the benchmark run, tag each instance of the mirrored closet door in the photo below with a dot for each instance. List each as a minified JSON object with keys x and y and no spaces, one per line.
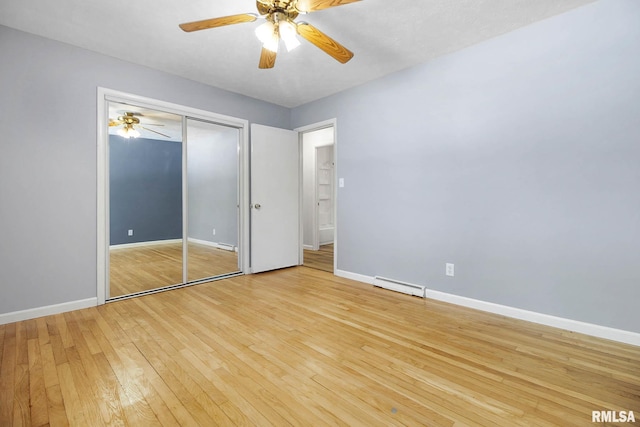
{"x":212,"y":189}
{"x":173,"y":200}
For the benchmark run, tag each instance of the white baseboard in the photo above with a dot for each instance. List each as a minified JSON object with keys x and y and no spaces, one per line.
{"x":591,"y":329}
{"x":540,"y":318}
{"x":308,"y":247}
{"x":149,"y":243}
{"x":354,"y":276}
{"x":48,"y":310}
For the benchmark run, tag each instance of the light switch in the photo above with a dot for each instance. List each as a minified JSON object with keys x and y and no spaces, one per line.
{"x":340,"y":182}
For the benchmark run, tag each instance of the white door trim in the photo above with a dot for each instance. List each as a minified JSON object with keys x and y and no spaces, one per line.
{"x":315,"y":234}
{"x":104,"y":95}
{"x":333,"y":123}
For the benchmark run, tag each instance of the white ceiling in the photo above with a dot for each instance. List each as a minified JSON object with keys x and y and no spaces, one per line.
{"x":385,"y":35}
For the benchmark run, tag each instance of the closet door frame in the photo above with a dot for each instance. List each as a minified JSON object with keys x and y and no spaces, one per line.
{"x":108,"y":95}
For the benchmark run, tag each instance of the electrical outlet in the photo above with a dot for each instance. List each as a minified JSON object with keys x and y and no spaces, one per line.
{"x":130,"y":233}
{"x":449,"y":269}
{"x":214,"y":231}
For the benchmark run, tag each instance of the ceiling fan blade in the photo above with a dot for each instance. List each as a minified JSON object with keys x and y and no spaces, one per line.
{"x":313,"y":5}
{"x":218,"y":22}
{"x":267,"y":59}
{"x":114,"y":122}
{"x":151,"y":130}
{"x":324,"y":42}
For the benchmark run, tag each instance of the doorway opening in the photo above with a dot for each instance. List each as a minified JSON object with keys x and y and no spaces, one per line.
{"x":319,"y":196}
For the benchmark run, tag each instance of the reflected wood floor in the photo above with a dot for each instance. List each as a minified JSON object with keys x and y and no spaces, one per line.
{"x":321,"y":259}
{"x":303,"y":347}
{"x":141,"y":268}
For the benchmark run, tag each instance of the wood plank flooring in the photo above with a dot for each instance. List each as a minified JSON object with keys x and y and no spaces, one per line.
{"x":302,"y":347}
{"x":321,"y":259}
{"x":142,"y":268}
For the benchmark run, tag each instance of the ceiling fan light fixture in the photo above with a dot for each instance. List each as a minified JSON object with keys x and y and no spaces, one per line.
{"x":288,"y":32}
{"x":291,"y":43}
{"x":128,"y":131}
{"x":280,"y":23}
{"x":273,"y":41}
{"x":272,"y":44}
{"x":268,"y":35}
{"x":265,"y":32}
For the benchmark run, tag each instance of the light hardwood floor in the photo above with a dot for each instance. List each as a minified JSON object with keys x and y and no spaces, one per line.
{"x":138,"y":269}
{"x":303,"y":347}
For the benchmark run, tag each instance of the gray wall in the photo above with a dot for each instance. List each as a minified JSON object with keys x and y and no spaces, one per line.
{"x":517,"y":159}
{"x":145,"y":190}
{"x":212,"y":168}
{"x":48,"y":163}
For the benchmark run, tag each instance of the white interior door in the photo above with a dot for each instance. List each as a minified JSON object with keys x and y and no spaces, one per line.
{"x":275,"y":198}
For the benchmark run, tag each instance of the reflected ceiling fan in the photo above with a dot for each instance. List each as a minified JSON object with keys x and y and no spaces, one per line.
{"x":280,"y":24}
{"x":130,"y":124}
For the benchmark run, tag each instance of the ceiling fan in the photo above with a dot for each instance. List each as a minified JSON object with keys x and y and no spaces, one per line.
{"x":130,"y":124}
{"x":280,"y":24}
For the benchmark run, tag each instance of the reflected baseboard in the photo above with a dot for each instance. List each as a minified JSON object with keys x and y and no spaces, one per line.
{"x":149,"y":243}
{"x":219,"y":245}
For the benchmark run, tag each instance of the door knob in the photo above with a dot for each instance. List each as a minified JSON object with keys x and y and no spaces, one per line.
{"x":257,"y":206}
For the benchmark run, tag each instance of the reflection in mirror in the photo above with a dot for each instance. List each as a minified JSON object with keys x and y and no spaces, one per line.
{"x":145,"y":199}
{"x":212,"y":188}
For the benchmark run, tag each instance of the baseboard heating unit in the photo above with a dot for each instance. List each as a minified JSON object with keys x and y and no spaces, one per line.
{"x":398,"y":286}
{"x":226,"y":247}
